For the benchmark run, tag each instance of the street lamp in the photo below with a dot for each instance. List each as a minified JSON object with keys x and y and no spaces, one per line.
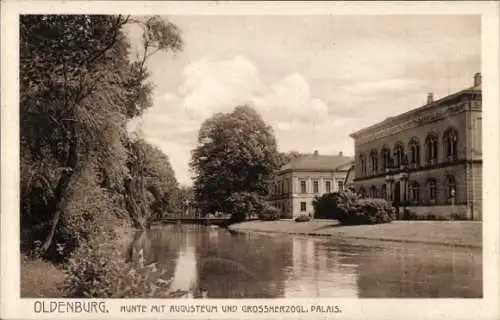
{"x":388,"y":179}
{"x":403,"y":176}
{"x":452,"y":196}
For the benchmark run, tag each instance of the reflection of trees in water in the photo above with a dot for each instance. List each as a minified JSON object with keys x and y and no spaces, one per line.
{"x":139,"y":249}
{"x":226,"y":265}
{"x":421,"y":271}
{"x":257,"y":266}
{"x":242,"y":266}
{"x":321,"y":268}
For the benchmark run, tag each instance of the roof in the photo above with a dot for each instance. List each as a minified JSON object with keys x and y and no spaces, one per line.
{"x":387,"y":121}
{"x":319,"y":163}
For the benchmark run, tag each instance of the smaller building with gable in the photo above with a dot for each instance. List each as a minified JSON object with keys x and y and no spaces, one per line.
{"x":309,"y":176}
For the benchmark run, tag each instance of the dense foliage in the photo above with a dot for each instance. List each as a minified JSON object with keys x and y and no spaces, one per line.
{"x":234,"y":163}
{"x":326,"y":206}
{"x":287,"y":157}
{"x":150,"y":183}
{"x":97,"y":269}
{"x":349,"y":209}
{"x":302,"y":218}
{"x":78,"y":88}
{"x":269,"y":213}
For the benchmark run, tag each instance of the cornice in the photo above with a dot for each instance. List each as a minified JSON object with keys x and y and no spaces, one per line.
{"x":470,"y":96}
{"x":417,"y":119}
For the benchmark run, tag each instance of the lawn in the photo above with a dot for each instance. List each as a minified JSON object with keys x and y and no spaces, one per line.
{"x":455,"y":233}
{"x":40,"y":279}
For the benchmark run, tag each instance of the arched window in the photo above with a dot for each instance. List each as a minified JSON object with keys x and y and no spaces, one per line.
{"x":383,"y":191}
{"x":373,"y":192}
{"x":374,"y":161}
{"x":431,"y":148}
{"x":451,"y":191}
{"x":432,"y":189}
{"x":399,"y":153}
{"x":385,"y":156}
{"x":414,"y":149}
{"x":450,"y":138}
{"x":362,"y":162}
{"x":415,"y":192}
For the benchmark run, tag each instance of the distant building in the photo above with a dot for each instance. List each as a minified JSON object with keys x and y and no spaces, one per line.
{"x":304,"y":178}
{"x":429,"y":159}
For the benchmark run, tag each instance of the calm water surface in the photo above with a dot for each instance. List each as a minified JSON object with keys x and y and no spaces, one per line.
{"x":278,"y":266}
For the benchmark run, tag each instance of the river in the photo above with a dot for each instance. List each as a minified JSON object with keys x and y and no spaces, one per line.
{"x":254,"y":265}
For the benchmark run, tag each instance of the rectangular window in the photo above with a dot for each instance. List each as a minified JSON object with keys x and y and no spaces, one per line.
{"x":303,"y":186}
{"x":340,"y":184}
{"x":315,"y":187}
{"x":328,"y":186}
{"x":303,"y":206}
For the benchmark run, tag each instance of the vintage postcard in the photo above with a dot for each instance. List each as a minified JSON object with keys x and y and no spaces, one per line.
{"x":249,"y":160}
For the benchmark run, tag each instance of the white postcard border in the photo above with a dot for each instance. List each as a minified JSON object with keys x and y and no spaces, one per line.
{"x":487,"y":308}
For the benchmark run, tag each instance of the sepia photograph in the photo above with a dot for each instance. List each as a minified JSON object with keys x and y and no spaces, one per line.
{"x":250,"y":156}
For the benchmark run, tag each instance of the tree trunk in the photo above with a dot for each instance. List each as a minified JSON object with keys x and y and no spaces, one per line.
{"x":58,"y":202}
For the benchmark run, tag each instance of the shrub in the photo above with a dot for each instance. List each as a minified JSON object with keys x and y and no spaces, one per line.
{"x":366,"y":211}
{"x":98,"y":270}
{"x":302,"y":218}
{"x":326,"y":206}
{"x":269,"y":213}
{"x":247,"y":204}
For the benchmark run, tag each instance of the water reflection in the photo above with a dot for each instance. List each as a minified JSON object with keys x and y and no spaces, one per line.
{"x":185,"y":274}
{"x":317,"y":272}
{"x":262,"y":266}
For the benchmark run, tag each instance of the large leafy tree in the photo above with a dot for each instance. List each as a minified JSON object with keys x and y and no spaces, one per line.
{"x":78,"y":88}
{"x":235,"y":159}
{"x":150,"y":185}
{"x":287,"y":157}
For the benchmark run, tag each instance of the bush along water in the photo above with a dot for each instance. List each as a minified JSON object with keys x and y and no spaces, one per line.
{"x":98,"y":270}
{"x":302,"y":218}
{"x":349,"y":209}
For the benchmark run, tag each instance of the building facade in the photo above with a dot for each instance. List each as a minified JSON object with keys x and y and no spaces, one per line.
{"x":300,"y":181}
{"x":427,"y":161}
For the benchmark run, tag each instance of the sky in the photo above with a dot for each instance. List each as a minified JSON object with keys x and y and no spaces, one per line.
{"x":314,"y":79}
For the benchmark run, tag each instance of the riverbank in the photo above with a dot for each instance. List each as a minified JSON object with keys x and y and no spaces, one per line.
{"x":40,"y":279}
{"x":451,"y":233}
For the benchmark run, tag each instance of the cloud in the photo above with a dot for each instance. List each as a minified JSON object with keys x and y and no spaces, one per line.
{"x":314,"y":79}
{"x":211,"y":86}
{"x":290,"y":100}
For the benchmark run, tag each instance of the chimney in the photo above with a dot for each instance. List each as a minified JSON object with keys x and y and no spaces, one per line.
{"x":477,"y":79}
{"x":430,"y":98}
{"x":315,"y":152}
{"x":341,"y":153}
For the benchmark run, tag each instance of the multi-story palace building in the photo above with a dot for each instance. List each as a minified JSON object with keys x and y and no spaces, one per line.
{"x":304,"y":178}
{"x":428,"y":161}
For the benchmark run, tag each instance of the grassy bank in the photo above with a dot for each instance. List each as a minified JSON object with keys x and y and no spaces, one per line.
{"x":43,"y":279}
{"x":454,"y":233}
{"x":40,"y":279}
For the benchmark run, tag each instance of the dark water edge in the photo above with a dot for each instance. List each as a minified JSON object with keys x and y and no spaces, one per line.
{"x":253,"y":265}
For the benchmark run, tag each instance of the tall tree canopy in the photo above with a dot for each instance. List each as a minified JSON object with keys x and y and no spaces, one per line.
{"x":150,"y":184}
{"x":78,"y":87}
{"x":287,"y":157}
{"x":236,"y":158}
